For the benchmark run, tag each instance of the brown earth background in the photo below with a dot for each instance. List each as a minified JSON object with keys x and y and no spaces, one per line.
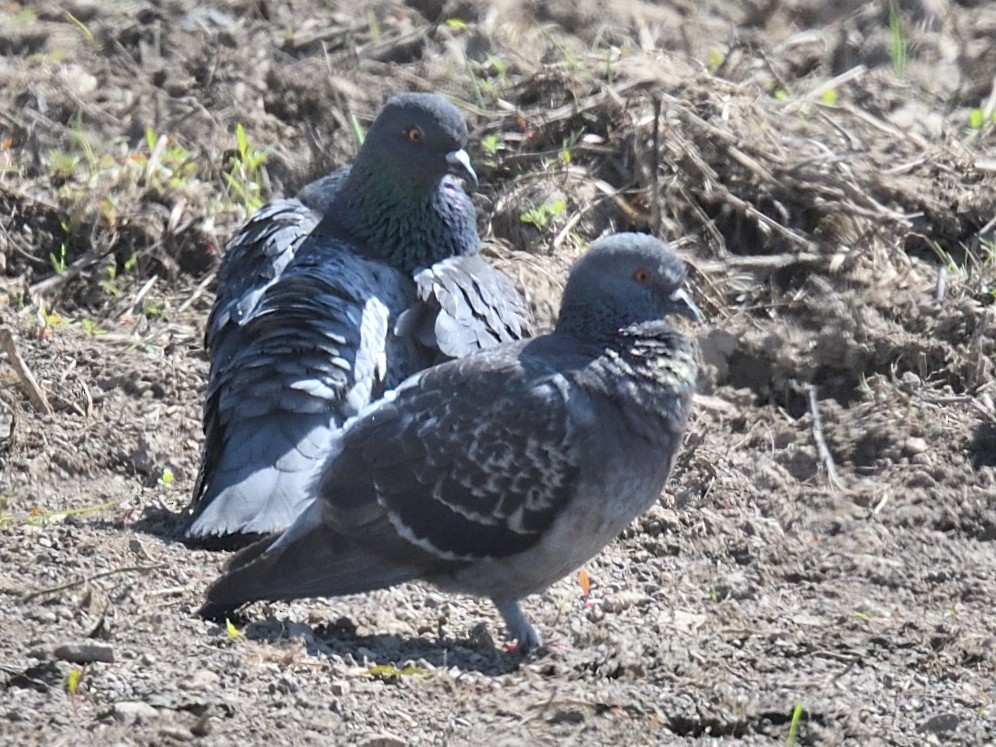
{"x":822,"y":568}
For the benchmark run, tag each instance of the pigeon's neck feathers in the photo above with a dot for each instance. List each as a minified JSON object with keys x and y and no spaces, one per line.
{"x":651,"y":351}
{"x":406,"y":223}
{"x":588,"y":314}
{"x":656,"y":352}
{"x":648,"y":366}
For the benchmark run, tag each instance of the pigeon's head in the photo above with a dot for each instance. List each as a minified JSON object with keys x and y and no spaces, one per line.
{"x":624,"y":279}
{"x":417,"y":139}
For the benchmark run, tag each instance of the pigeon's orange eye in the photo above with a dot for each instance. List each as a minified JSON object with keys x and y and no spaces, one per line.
{"x":643,"y":276}
{"x":414,"y":134}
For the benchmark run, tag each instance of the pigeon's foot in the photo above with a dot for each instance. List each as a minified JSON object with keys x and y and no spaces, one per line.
{"x":216,"y":613}
{"x":519,"y":628}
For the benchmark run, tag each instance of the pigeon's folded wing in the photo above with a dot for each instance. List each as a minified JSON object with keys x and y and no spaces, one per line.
{"x":461,"y":463}
{"x":257,"y":255}
{"x":469,"y":460}
{"x":464,"y":305}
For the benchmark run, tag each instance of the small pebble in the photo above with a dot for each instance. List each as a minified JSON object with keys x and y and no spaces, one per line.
{"x":202,"y":679}
{"x":84,"y":653}
{"x":134,"y":711}
{"x":943,"y":723}
{"x":339,"y":688}
{"x":623,"y":600}
{"x":177,"y":733}
{"x":383,"y":740}
{"x":45,"y":617}
{"x":202,"y":727}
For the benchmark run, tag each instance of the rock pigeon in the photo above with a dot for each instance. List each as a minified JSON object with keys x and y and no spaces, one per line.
{"x":499,"y":473}
{"x":305,"y":329}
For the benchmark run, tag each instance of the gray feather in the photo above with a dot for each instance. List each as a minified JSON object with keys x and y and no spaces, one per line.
{"x":464,"y":305}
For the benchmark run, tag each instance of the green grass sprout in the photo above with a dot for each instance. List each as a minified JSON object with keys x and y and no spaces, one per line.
{"x":794,"y":725}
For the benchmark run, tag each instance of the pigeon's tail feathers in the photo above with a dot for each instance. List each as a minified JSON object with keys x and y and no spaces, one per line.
{"x":222,"y":611}
{"x":308,"y":560}
{"x":218,"y":613}
{"x":260,"y":480}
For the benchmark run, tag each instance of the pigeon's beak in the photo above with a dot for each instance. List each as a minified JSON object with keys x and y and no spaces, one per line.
{"x":683,"y":304}
{"x":459,"y":163}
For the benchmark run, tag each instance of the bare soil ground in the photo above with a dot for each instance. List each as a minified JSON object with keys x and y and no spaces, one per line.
{"x":826,"y":546}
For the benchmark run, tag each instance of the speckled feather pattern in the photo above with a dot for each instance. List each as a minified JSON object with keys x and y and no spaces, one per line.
{"x":313,"y":350}
{"x":465,"y":305}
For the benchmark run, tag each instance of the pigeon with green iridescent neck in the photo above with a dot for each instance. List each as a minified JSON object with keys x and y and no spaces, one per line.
{"x":322,"y":306}
{"x":499,"y":473}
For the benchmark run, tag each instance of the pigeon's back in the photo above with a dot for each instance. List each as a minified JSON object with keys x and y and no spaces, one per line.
{"x":304,"y":353}
{"x":255,"y":258}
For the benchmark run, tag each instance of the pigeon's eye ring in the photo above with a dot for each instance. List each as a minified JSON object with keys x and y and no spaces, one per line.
{"x":643,"y":276}
{"x":414,"y":135}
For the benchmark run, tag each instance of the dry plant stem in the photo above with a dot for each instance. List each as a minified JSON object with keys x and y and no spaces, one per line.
{"x":940,"y":286}
{"x":655,"y":202}
{"x":763,"y":220}
{"x":885,"y":127}
{"x":81,"y":581}
{"x":987,"y":228}
{"x":760,"y":262}
{"x":142,"y":292}
{"x":990,"y":107}
{"x":35,"y":393}
{"x":198,"y":292}
{"x":882,"y":503}
{"x":968,"y":399}
{"x":55,"y":282}
{"x":821,"y":445}
{"x":833,"y":84}
{"x":754,"y":167}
